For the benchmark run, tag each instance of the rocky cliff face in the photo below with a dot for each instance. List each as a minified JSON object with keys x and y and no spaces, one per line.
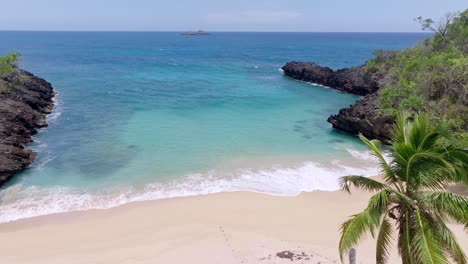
{"x":25,"y":100}
{"x":362,"y":117}
{"x":354,"y":80}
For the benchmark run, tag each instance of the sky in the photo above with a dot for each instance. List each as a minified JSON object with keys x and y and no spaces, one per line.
{"x":223,"y":15}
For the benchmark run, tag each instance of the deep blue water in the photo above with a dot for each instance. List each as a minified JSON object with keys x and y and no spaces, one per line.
{"x":147,"y":115}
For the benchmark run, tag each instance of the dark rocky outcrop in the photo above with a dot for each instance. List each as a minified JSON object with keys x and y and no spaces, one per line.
{"x":354,"y":80}
{"x":25,"y":100}
{"x":362,"y":117}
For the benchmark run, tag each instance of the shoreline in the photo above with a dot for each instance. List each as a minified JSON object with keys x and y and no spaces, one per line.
{"x":279,"y":181}
{"x":230,"y":227}
{"x":268,"y":224}
{"x":25,"y":105}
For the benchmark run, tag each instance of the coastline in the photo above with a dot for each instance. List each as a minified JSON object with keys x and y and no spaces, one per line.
{"x":220,"y":222}
{"x":26,"y":101}
{"x":231,"y":227}
{"x":360,"y":117}
{"x":263,"y":175}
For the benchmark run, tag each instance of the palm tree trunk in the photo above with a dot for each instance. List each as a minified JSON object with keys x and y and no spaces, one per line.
{"x":352,"y":256}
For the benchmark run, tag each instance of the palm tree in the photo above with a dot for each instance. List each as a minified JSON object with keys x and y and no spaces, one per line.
{"x":412,"y":197}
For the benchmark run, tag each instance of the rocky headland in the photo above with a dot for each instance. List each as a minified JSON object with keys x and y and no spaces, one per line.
{"x":25,"y":100}
{"x":362,"y":117}
{"x":354,"y":80}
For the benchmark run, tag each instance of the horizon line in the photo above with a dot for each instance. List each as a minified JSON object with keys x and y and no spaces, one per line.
{"x":214,"y":31}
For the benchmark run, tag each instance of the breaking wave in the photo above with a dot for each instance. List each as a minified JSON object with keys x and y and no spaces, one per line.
{"x":20,"y":202}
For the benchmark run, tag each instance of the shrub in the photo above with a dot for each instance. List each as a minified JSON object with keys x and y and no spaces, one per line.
{"x":9,"y":63}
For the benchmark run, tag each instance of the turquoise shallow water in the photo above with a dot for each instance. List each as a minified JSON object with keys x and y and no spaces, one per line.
{"x":152,"y":115}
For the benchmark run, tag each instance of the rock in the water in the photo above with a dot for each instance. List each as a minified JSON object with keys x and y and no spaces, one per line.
{"x":354,"y":80}
{"x":364,"y":117}
{"x":24,"y":102}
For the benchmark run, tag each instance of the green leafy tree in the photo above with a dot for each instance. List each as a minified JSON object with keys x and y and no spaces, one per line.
{"x":458,"y":31}
{"x":9,"y":63}
{"x":412,"y":197}
{"x":431,"y":77}
{"x":441,"y":28}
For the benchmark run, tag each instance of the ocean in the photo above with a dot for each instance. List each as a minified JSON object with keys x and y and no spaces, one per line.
{"x":152,"y":115}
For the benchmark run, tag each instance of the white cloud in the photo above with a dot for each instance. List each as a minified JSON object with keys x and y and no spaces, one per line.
{"x":252,"y":16}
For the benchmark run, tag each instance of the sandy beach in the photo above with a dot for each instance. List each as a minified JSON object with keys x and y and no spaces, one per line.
{"x":219,"y":132}
{"x":219,"y":228}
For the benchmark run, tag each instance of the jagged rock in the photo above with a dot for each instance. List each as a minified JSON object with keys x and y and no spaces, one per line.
{"x":24,"y":102}
{"x":364,"y":117}
{"x":354,"y":80}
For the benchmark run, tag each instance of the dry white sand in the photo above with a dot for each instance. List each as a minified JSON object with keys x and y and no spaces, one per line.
{"x":220,"y":228}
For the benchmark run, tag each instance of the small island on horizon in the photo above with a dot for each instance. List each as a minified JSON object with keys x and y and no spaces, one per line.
{"x":195,"y":33}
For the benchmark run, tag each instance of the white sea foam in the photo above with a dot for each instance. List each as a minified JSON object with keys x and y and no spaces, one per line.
{"x":54,"y":99}
{"x":361,"y":155}
{"x":314,"y":84}
{"x":367,"y":155}
{"x":41,"y":162}
{"x":56,"y":113}
{"x":53,"y":116}
{"x":19,"y":202}
{"x":317,"y":84}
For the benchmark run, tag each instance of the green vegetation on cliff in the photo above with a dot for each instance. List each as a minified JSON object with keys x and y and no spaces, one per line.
{"x":430,"y":78}
{"x":8,"y":65}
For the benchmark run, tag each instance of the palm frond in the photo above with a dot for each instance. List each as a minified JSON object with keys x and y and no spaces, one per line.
{"x":388,"y":172}
{"x":399,"y":131}
{"x":360,"y":182}
{"x":366,"y":221}
{"x":417,"y":149}
{"x":447,"y":239}
{"x":402,"y":198}
{"x":424,"y":160}
{"x":404,"y":238}
{"x":383,"y":242}
{"x":418,"y":131}
{"x":446,"y":205}
{"x":353,"y":229}
{"x":459,"y":157}
{"x":425,"y":248}
{"x":431,"y":137}
{"x":427,"y":162}
{"x":435,"y":180}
